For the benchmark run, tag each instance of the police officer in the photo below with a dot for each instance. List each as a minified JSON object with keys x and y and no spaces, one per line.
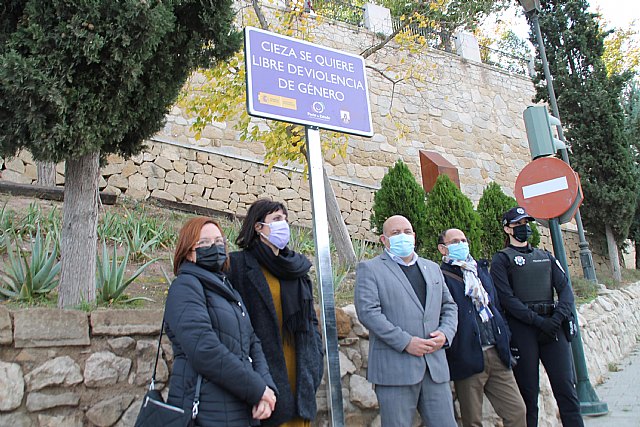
{"x":525,"y":278}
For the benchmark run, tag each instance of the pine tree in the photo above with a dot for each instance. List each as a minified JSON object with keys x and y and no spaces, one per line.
{"x":589,"y":104}
{"x":400,"y":194}
{"x":80,"y":80}
{"x":448,"y":208}
{"x":492,"y":205}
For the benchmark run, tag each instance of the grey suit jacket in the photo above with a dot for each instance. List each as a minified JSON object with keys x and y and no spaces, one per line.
{"x":388,"y":306}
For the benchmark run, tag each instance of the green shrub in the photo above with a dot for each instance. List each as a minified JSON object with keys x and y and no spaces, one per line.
{"x":492,"y":205}
{"x":110,"y":281}
{"x":27,"y":277}
{"x":399,"y":194}
{"x":584,"y":290}
{"x":448,"y":208}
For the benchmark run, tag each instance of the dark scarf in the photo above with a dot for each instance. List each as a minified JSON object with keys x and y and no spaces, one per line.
{"x":291,"y":269}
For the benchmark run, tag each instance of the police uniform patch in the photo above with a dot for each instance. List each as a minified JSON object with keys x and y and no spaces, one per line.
{"x":520,"y":211}
{"x":519,"y":260}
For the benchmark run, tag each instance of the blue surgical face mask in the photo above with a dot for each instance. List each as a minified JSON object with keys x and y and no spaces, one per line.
{"x":458,"y":251}
{"x":402,"y":245}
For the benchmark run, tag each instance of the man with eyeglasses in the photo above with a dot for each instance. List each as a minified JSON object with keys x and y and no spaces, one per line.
{"x":403,"y":301}
{"x":479,"y":356}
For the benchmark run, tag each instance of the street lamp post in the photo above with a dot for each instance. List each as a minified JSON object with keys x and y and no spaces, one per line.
{"x":532,"y":8}
{"x":589,"y":402}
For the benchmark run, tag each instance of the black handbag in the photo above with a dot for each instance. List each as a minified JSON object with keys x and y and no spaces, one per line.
{"x":155,"y":412}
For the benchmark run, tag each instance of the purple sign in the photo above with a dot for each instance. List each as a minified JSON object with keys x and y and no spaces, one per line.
{"x":304,"y":83}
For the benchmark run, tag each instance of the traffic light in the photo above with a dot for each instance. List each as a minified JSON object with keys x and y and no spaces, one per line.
{"x":538,"y":123}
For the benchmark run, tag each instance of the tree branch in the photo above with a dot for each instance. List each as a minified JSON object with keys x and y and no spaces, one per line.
{"x":373,"y":49}
{"x":263,"y":21}
{"x":393,"y":82}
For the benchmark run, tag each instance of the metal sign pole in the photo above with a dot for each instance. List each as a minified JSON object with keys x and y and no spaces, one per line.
{"x":590,"y":404}
{"x":325,"y":276}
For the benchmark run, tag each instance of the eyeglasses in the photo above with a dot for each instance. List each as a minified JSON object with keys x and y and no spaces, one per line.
{"x":208,"y":242}
{"x":454,"y":242}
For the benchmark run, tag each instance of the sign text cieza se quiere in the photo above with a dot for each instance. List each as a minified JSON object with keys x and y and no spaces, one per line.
{"x":300,"y":82}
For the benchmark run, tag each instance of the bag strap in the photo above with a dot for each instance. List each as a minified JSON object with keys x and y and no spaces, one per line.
{"x":452,"y":275}
{"x":155,"y":365}
{"x":196,"y":398}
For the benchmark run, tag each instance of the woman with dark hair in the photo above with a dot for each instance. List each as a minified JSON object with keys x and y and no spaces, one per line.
{"x":274,"y":283}
{"x":212,"y":336}
{"x":537,"y":299}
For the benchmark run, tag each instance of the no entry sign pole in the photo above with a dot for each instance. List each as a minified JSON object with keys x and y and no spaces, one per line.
{"x":590,"y":404}
{"x":549,"y":189}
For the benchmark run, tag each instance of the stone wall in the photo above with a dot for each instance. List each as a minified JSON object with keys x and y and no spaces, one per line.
{"x":62,"y":368}
{"x":209,"y":177}
{"x":469,"y":112}
{"x":610,"y":327}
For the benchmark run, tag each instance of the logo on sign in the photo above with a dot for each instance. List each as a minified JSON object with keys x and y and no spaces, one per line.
{"x":318,"y":107}
{"x":345,"y":116}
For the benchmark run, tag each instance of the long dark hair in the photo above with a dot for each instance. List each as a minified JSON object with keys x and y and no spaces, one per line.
{"x":258,"y":211}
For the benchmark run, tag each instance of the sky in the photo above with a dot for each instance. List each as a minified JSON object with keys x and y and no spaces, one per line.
{"x":618,"y":13}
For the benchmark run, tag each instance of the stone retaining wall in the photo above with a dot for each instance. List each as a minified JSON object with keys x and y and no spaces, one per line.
{"x":225,"y":182}
{"x":469,"y":112}
{"x":71,"y":368}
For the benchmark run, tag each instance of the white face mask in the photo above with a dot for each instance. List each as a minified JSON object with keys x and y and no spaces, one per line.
{"x":280,"y":233}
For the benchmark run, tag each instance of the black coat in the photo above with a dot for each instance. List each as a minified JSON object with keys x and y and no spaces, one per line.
{"x":465,"y":352}
{"x":215,"y":339}
{"x":249,"y":280}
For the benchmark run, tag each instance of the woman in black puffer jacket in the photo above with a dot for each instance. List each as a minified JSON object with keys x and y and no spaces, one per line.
{"x":212,"y":335}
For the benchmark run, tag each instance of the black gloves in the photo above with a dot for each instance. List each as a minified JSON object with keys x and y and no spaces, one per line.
{"x":549,"y":329}
{"x":551,"y":325}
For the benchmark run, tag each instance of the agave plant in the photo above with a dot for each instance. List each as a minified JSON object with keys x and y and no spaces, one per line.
{"x":29,"y":276}
{"x":110,"y":280}
{"x":109,"y":227}
{"x":231,"y":231}
{"x":6,"y":224}
{"x":139,"y":242}
{"x":301,"y":240}
{"x":364,"y":249}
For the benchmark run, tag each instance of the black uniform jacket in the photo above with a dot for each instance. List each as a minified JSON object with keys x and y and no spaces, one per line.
{"x":500,"y":268}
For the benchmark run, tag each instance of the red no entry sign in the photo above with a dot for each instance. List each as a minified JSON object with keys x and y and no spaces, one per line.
{"x":548,"y":188}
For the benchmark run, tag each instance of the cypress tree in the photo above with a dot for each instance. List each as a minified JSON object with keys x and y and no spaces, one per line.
{"x":399,"y":194}
{"x":492,"y":205}
{"x":590,"y":109}
{"x":448,"y":208}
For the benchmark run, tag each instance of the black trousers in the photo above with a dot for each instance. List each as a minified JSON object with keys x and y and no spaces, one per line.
{"x":556,"y":358}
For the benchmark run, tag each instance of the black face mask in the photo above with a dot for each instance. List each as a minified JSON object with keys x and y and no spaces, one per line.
{"x":522,"y":232}
{"x":211,"y":258}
